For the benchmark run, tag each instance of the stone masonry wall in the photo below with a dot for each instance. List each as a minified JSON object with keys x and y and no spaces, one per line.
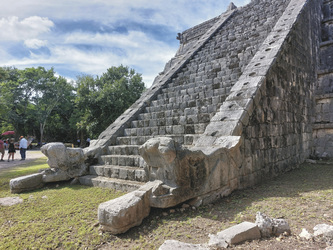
{"x":279,"y":134}
{"x":323,"y":127}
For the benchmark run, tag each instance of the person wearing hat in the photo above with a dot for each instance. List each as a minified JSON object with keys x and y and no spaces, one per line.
{"x":23,"y":147}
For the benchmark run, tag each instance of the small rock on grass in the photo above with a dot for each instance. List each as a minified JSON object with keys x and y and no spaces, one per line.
{"x":10,"y":201}
{"x":174,"y":244}
{"x":322,"y":229}
{"x":305,"y":234}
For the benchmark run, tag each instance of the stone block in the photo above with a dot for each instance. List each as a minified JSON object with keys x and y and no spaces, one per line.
{"x":52,"y":175}
{"x":26,"y":183}
{"x":119,"y":215}
{"x":322,"y":229}
{"x":239,"y":233}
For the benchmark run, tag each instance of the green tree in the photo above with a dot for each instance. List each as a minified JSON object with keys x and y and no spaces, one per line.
{"x":10,"y":99}
{"x":31,"y":96}
{"x":102,"y":99}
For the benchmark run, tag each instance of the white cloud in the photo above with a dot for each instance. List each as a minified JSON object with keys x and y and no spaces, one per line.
{"x":13,"y":29}
{"x":70,"y":50}
{"x":35,"y":43}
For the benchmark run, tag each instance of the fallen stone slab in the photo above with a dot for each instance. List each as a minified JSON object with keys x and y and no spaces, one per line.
{"x":174,"y":244}
{"x":237,"y":234}
{"x":52,"y":175}
{"x":119,"y":215}
{"x":10,"y":201}
{"x":26,"y":183}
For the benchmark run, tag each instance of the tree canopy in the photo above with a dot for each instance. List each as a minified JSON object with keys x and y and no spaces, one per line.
{"x":37,"y":102}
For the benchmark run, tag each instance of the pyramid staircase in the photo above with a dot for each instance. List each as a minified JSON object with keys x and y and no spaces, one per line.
{"x":186,"y":95}
{"x":181,"y":112}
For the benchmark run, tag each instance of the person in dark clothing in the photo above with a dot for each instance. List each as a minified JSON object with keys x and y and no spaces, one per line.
{"x":11,"y":149}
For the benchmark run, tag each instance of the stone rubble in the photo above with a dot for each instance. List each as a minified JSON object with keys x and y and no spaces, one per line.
{"x":245,"y":231}
{"x":10,"y":201}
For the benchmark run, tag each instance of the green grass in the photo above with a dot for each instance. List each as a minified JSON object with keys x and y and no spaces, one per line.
{"x":61,"y":216}
{"x":57,"y":216}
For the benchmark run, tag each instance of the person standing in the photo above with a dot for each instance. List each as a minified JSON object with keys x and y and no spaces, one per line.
{"x":11,"y":149}
{"x":23,"y":147}
{"x":2,"y":149}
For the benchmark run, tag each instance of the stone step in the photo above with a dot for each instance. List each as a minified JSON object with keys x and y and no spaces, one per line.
{"x":139,"y":140}
{"x":216,"y":94}
{"x":124,"y":150}
{"x":123,"y":160}
{"x":119,"y":172}
{"x":174,"y":108}
{"x":191,"y":116}
{"x":110,"y":183}
{"x":169,"y":121}
{"x":190,"y":88}
{"x":167,"y":130}
{"x":192,"y":94}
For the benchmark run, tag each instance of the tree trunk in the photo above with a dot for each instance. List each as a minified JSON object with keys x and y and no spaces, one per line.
{"x":41,"y":128}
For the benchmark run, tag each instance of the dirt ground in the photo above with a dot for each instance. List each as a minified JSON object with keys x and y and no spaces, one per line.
{"x":30,"y":155}
{"x":303,"y":197}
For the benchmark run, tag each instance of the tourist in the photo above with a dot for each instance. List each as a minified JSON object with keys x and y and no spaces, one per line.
{"x":2,"y":148}
{"x":88,"y":142}
{"x":23,"y":147}
{"x":11,"y":149}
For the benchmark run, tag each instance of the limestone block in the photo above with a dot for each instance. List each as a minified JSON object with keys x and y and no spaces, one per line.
{"x":70,"y":160}
{"x":270,"y":226}
{"x":322,"y":229}
{"x":119,"y":215}
{"x":174,"y":244}
{"x":280,"y":226}
{"x":26,"y":183}
{"x":239,"y":233}
{"x":54,"y":175}
{"x":265,"y":224}
{"x":160,"y":154}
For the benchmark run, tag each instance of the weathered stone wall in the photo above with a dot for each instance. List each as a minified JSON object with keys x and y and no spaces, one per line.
{"x":323,"y":127}
{"x":279,"y":133}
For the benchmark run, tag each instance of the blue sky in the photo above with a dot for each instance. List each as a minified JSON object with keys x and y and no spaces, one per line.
{"x":89,"y":36}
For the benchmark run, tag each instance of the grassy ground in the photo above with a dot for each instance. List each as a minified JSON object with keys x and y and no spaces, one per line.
{"x":65,"y":217}
{"x":57,"y":216}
